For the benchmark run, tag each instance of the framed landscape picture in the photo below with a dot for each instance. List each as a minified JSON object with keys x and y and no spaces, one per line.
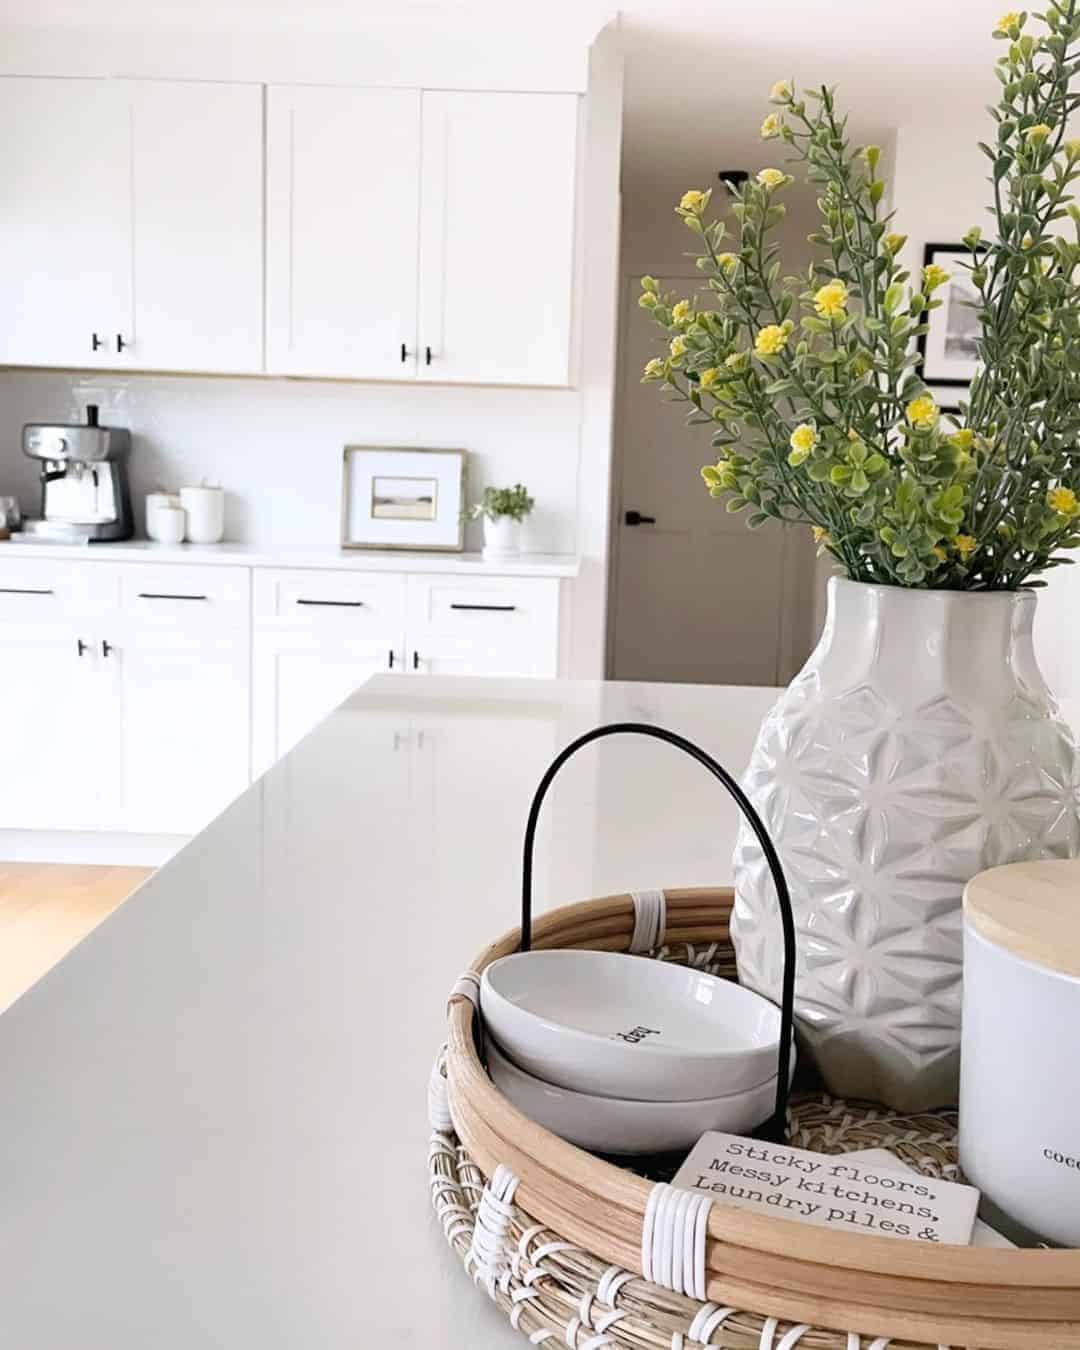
{"x":949,"y":353}
{"x":399,"y":497}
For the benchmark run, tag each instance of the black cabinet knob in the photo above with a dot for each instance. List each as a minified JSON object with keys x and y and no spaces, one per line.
{"x":636,"y":518}
{"x":96,"y":342}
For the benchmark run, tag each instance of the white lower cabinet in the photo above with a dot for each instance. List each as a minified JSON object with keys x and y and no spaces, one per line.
{"x":319,"y":635}
{"x":141,"y":697}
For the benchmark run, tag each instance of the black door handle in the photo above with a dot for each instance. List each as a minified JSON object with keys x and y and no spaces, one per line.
{"x":636,"y":518}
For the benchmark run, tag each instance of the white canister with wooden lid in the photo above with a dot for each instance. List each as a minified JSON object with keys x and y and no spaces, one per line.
{"x":1020,"y":1062}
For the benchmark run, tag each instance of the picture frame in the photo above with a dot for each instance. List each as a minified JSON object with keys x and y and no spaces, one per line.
{"x":403,"y":497}
{"x":948,"y":352}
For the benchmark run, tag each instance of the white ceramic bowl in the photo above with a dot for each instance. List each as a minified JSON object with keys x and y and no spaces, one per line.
{"x":625,"y":1026}
{"x":611,"y":1125}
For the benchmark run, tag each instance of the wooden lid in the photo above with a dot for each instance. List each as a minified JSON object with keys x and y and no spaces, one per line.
{"x":1031,"y":909}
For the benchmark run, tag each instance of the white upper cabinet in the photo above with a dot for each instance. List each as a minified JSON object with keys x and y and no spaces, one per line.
{"x":497,"y":237}
{"x":197,"y":217}
{"x":343,"y":192}
{"x":65,"y":220}
{"x":131,"y":224}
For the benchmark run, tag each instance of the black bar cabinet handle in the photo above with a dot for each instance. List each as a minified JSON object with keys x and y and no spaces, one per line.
{"x":390,"y":661}
{"x":427,"y":356}
{"x":490,"y":609}
{"x":340,"y":604}
{"x":167,"y":595}
{"x":404,"y":353}
{"x":107,"y":648}
{"x":416,"y":660}
{"x":96,"y":342}
{"x":120,"y":343}
{"x":25,"y":590}
{"x":775,"y":1128}
{"x":82,"y":647}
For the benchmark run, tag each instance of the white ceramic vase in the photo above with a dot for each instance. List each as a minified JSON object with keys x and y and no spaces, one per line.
{"x":502,"y":538}
{"x":918,"y":746}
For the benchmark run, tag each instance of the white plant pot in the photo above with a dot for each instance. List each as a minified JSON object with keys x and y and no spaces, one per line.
{"x":502,"y":538}
{"x":917,"y":747}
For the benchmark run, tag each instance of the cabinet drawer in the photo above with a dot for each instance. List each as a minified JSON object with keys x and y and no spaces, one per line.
{"x":42,"y":592}
{"x":194,"y":600}
{"x":484,"y":626}
{"x":344,"y":604}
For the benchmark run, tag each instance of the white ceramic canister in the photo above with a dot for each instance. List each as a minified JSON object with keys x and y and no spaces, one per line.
{"x":170,"y":522}
{"x":154,"y":502}
{"x":205,"y":507}
{"x":1020,"y":1057}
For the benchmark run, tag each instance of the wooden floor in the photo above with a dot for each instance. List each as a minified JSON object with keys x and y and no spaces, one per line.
{"x":46,"y":909}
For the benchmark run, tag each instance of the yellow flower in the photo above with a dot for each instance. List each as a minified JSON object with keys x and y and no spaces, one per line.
{"x":772,"y":178}
{"x":678,"y":346}
{"x":653,"y":369}
{"x":728,"y":261}
{"x":694,"y":201}
{"x":939,"y":553}
{"x":922,"y":413}
{"x":648,"y":299}
{"x":933,"y":276}
{"x":831,"y":300}
{"x":821,"y":535}
{"x":680,"y":312}
{"x":770,"y":128}
{"x":962,"y":440}
{"x":965,"y":545}
{"x":1008,"y":24}
{"x":1038,"y":133}
{"x":894,"y":242}
{"x":802,"y":441}
{"x":780,"y":92}
{"x":1063,"y":501}
{"x":708,"y":378}
{"x":770,"y":340}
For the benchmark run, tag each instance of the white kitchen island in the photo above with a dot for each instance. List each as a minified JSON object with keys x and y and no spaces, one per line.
{"x":212,"y":1112}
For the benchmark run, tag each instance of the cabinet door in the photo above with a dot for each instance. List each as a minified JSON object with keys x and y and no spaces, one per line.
{"x":65,"y":221}
{"x":343,"y":182}
{"x":483,"y":625}
{"x":318,"y":637}
{"x":197,"y":179}
{"x":180,"y":658}
{"x":497,"y":220}
{"x":58,"y":724}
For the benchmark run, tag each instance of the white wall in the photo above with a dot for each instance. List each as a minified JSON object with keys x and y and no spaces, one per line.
{"x":276,"y":445}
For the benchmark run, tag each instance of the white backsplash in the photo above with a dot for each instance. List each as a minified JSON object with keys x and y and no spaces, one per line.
{"x":275,"y":445}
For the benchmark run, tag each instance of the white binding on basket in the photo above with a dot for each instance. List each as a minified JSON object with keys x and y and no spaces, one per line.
{"x":673,"y":1239}
{"x":438,"y":1097}
{"x":650,"y":920}
{"x":488,"y":1249}
{"x":468,"y":986}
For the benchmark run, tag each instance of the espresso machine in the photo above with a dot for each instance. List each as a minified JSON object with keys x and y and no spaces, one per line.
{"x":84,"y":487}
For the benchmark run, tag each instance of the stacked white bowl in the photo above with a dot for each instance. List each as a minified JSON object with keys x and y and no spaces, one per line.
{"x":624,"y":1055}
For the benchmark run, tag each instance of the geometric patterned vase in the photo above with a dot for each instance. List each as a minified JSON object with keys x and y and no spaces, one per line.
{"x":918,"y":746}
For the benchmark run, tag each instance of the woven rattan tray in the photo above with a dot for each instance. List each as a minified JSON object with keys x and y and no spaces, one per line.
{"x":555,"y":1234}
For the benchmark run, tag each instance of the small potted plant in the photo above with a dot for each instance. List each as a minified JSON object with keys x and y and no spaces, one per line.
{"x":502,"y":511}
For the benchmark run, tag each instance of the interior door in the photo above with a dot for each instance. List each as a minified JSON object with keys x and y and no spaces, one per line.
{"x":197,"y":178}
{"x":65,"y":220}
{"x":343,"y":186}
{"x":698,"y":597}
{"x":497,"y":218}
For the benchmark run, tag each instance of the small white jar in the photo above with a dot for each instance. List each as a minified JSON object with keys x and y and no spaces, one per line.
{"x":1020,"y":1058}
{"x":170,"y":524}
{"x":205,"y":507}
{"x":154,"y":502}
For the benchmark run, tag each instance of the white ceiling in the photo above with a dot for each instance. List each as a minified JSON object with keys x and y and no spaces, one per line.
{"x":698,"y":71}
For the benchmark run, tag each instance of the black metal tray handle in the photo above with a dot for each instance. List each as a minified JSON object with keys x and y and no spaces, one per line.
{"x":774,"y":1129}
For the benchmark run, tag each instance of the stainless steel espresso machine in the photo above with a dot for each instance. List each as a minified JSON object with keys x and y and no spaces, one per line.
{"x":84,"y":486}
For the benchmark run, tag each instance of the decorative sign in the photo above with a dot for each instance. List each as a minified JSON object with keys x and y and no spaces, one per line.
{"x":829,"y":1190}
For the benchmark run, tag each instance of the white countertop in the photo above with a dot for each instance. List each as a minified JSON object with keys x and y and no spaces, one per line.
{"x":245,"y":555}
{"x":212,"y":1113}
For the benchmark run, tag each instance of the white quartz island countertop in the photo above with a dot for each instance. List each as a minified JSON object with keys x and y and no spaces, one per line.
{"x":212,"y":1112}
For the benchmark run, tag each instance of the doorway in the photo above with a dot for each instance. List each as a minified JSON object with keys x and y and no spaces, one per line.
{"x":696,"y":597}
